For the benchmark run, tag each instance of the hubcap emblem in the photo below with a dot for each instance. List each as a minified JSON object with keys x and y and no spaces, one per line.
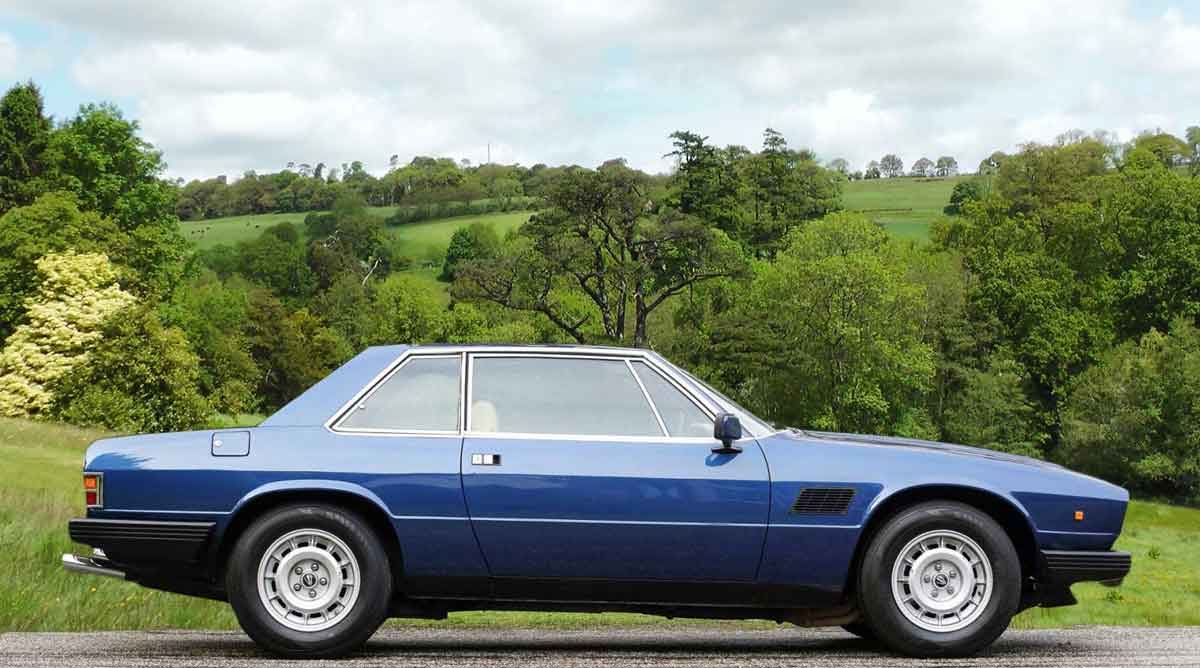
{"x":941,"y":580}
{"x":310,"y":579}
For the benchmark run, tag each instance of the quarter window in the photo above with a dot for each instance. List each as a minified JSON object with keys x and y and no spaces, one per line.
{"x":422,"y":395}
{"x":546,"y":395}
{"x":681,"y":415}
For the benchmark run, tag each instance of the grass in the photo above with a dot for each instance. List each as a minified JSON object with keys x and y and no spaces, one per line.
{"x":40,"y":465}
{"x":232,"y":229}
{"x":905,"y":206}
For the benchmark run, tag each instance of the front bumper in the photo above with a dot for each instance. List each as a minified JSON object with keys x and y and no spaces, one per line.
{"x":1066,"y":567}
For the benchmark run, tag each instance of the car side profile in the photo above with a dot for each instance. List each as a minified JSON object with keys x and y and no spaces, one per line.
{"x":418,"y":481}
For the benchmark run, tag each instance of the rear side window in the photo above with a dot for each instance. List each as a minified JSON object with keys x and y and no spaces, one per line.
{"x":547,"y":395}
{"x":681,"y":415}
{"x":422,"y":395}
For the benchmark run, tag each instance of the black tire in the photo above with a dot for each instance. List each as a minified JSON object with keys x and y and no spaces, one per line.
{"x":346,"y":634}
{"x":861,"y":630}
{"x":882,"y":612}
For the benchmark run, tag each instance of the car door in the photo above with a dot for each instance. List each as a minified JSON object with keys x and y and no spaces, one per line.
{"x":570,"y":472}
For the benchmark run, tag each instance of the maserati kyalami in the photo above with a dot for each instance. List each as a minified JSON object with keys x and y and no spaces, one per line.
{"x":420,"y":481}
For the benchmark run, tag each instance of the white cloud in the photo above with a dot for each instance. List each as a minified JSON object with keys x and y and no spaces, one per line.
{"x":8,"y":56}
{"x":223,"y":87}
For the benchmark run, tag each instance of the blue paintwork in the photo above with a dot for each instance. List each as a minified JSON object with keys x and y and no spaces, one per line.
{"x":597,"y":509}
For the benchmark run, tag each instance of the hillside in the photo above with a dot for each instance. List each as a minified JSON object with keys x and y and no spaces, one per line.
{"x":40,"y":464}
{"x":435,"y":233}
{"x":904,"y":205}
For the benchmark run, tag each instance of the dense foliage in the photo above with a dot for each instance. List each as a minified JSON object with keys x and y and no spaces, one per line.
{"x":1053,"y":315}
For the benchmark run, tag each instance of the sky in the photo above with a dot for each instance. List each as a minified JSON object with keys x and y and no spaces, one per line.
{"x":225,"y":87}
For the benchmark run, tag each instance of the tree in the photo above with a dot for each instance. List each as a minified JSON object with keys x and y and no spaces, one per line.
{"x":840,"y":165}
{"x":891,"y":165}
{"x":1193,"y":140}
{"x":141,"y":377}
{"x":213,"y":315}
{"x":52,"y":224}
{"x":1134,"y":418}
{"x":1041,"y":177}
{"x":98,"y":156}
{"x":947,"y":166}
{"x":861,"y":365}
{"x":77,"y":294}
{"x":706,"y":183}
{"x":786,"y":187}
{"x":991,"y":164}
{"x":598,"y":251}
{"x":477,"y":241}
{"x":922,"y":167}
{"x":872,"y":171}
{"x":24,"y":134}
{"x":993,"y":410}
{"x":964,"y":191}
{"x":276,"y":260}
{"x":1170,"y":150}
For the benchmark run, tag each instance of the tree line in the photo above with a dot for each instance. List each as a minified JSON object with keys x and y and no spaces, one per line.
{"x":1053,"y":314}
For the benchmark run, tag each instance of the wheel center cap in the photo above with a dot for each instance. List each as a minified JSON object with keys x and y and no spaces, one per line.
{"x":309,"y":579}
{"x":941,"y":580}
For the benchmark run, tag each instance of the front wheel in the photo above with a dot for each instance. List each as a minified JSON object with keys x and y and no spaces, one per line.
{"x":309,"y":581}
{"x":940,"y":579}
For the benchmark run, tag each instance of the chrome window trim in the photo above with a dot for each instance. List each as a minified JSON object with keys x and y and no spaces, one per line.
{"x":606,"y":354}
{"x":334,"y":424}
{"x":646,"y":395}
{"x":710,"y":406}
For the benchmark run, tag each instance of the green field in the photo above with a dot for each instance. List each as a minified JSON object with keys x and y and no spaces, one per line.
{"x":904,"y":205}
{"x":40,"y":464}
{"x":209,"y":233}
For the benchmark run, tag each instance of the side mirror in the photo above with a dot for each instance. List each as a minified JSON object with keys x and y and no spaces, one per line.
{"x":727,"y":428}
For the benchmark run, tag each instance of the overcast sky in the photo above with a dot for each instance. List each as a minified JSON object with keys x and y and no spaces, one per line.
{"x":223,"y":87}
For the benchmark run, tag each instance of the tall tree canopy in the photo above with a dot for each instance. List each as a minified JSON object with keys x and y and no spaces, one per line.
{"x":600,"y":258}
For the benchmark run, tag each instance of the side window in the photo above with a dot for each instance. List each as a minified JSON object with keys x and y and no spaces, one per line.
{"x":548,"y":395}
{"x":422,"y":395}
{"x":681,"y":416}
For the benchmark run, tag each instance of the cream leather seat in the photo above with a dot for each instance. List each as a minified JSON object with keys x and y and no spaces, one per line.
{"x":483,"y":417}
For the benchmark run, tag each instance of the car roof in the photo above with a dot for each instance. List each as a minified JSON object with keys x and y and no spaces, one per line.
{"x":523,"y":347}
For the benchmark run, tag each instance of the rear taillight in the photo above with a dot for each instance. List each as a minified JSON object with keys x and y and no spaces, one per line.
{"x":93,"y":490}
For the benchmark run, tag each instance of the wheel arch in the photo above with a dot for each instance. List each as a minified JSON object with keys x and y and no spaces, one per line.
{"x":352,"y":497}
{"x":1005,"y":511}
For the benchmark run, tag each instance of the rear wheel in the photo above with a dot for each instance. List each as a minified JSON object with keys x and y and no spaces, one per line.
{"x":309,"y":580}
{"x":861,"y":630}
{"x":940,"y":579}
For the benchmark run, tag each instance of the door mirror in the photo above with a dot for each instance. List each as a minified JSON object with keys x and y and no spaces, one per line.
{"x":727,"y":428}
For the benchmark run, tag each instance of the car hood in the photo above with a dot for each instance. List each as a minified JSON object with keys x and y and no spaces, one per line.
{"x":916,"y":443}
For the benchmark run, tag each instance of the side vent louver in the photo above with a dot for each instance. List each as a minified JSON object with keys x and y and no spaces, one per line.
{"x":823,"y":501}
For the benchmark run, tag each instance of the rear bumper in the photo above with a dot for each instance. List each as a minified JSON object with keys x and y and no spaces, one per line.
{"x":144,"y":542}
{"x":1066,"y":567}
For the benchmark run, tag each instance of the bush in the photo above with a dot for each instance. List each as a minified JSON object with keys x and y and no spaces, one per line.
{"x":141,"y":377}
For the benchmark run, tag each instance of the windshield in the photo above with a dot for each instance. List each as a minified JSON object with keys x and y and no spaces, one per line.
{"x":750,"y":422}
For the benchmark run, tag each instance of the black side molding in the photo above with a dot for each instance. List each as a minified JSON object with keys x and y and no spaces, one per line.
{"x":1065,"y":567}
{"x":137,"y":541}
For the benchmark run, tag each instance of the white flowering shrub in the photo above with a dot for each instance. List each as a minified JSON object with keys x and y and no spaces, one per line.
{"x":78,"y":293}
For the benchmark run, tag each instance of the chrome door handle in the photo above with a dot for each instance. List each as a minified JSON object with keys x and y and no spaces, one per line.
{"x":485,"y":459}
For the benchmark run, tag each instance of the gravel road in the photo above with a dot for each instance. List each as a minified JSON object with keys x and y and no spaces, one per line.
{"x":638,"y":646}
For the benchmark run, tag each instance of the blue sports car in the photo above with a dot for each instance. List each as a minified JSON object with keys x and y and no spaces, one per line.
{"x":417,"y":481}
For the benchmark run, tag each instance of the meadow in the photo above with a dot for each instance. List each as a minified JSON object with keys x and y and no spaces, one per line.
{"x":904,"y":206}
{"x":40,"y":464}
